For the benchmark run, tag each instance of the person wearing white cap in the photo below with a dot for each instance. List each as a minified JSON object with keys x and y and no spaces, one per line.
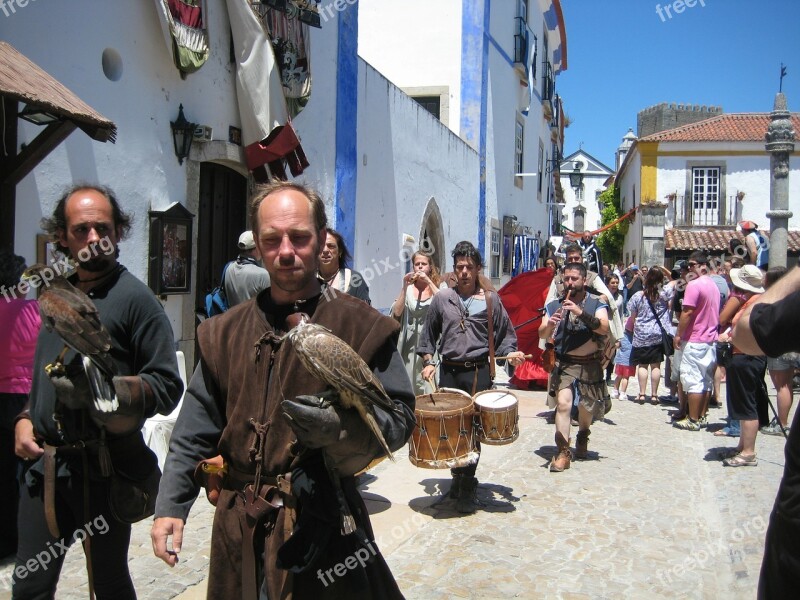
{"x":747,"y":392}
{"x":245,"y":277}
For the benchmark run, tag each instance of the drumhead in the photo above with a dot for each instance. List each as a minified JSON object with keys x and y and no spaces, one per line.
{"x":495,"y":399}
{"x":454,"y":391}
{"x":442,"y":401}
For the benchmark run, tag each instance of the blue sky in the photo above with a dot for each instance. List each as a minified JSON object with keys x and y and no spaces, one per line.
{"x":623,"y":57}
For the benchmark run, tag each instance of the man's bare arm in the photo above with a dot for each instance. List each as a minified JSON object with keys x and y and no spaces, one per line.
{"x":743,"y":337}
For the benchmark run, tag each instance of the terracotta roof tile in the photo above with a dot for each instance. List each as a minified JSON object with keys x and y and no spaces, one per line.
{"x":733,"y":127}
{"x":22,"y":79}
{"x":714,"y":240}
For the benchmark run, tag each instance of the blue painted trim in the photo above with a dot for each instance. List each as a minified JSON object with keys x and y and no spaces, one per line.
{"x":500,"y":51}
{"x":346,"y":161}
{"x":471,"y":41}
{"x":551,"y":18}
{"x":557,"y":56}
{"x":474,"y":94}
{"x":487,"y":9}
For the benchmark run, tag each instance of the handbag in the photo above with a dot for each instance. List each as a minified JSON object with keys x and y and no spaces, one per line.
{"x":133,"y":500}
{"x":667,"y":339}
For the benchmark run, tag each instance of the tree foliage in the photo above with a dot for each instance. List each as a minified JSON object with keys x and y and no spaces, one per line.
{"x":612,"y":240}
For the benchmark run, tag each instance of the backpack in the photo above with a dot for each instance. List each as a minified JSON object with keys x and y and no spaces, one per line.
{"x":217,"y":299}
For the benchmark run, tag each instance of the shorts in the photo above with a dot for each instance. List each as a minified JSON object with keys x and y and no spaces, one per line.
{"x":784,"y":362}
{"x":747,"y":392}
{"x":675,"y":366}
{"x":698,"y":363}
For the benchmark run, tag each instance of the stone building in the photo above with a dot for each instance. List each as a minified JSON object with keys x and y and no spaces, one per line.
{"x":693,"y":184}
{"x":392,"y":174}
{"x":661,"y":117}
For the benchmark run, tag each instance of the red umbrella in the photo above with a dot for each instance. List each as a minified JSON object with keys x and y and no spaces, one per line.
{"x":523,"y":298}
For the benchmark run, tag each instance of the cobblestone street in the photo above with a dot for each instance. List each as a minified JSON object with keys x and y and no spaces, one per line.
{"x":651,"y":513}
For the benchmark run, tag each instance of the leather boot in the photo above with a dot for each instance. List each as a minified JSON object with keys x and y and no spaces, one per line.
{"x":466,"y":497}
{"x":455,"y":486}
{"x":582,"y":444}
{"x":562,"y":459}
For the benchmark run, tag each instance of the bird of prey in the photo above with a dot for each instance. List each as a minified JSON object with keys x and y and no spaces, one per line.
{"x":328,"y":358}
{"x":73,"y":316}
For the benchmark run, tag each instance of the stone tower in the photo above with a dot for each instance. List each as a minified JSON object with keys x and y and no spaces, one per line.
{"x":669,"y":116}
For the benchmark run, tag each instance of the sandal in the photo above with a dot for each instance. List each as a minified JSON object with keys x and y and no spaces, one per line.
{"x":726,"y":453}
{"x":654,"y":400}
{"x":640,"y":399}
{"x":740,"y":460}
{"x":726,"y":432}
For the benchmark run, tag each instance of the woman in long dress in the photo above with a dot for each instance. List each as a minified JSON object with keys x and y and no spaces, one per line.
{"x":410,"y":309}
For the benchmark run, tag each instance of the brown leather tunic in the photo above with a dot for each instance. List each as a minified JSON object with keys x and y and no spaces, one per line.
{"x":250,"y":371}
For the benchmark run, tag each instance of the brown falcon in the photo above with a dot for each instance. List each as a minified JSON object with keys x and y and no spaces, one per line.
{"x":73,"y":316}
{"x":328,"y":358}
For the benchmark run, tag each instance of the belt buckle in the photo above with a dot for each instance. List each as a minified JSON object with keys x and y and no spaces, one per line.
{"x":468,"y":364}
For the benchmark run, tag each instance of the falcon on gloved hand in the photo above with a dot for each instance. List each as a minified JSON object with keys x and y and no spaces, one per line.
{"x":328,"y":358}
{"x":315,"y":421}
{"x":73,"y":316}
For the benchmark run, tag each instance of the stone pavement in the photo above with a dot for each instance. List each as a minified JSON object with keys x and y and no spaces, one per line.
{"x":652,"y":513}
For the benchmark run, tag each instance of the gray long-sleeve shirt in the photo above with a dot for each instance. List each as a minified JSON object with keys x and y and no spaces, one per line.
{"x":471,"y":341}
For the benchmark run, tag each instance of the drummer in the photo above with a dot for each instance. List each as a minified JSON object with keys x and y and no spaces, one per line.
{"x":577,"y":322}
{"x":458,"y":322}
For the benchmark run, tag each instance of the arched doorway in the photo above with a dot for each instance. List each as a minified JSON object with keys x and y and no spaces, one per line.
{"x":431,"y":237}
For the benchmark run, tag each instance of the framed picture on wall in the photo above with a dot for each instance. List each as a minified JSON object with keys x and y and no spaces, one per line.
{"x":170,"y":250}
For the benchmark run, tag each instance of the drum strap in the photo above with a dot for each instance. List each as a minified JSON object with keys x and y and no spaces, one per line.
{"x":491,"y":336}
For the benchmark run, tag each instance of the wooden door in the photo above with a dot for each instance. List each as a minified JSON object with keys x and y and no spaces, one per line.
{"x":222,"y":217}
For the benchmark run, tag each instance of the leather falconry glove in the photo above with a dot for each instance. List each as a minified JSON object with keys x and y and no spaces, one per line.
{"x":346,"y":439}
{"x":120,"y":406}
{"x":72,"y":386}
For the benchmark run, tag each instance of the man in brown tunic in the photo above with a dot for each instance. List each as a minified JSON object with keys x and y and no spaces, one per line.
{"x":277,"y":524}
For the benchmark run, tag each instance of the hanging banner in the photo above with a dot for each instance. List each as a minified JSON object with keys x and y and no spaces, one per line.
{"x":270,"y":142}
{"x":184,"y":32}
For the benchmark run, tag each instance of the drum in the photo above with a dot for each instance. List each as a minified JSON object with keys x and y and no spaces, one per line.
{"x":444,"y":436}
{"x":498,"y":417}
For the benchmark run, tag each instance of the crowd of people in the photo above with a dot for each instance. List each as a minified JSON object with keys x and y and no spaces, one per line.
{"x":275,"y":450}
{"x":693,"y":307}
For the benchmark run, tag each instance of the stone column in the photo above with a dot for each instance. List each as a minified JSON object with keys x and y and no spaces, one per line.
{"x":653,"y":216}
{"x":780,"y":138}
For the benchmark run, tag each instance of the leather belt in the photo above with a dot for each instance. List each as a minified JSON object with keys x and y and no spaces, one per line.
{"x":579,"y":360}
{"x":273,"y":494}
{"x":466,"y":364}
{"x":50,"y":490}
{"x":50,"y":479}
